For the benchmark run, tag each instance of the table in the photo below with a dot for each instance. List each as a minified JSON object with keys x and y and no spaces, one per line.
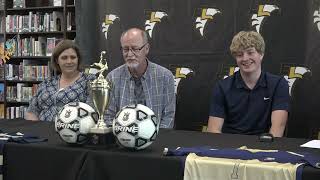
{"x":55,"y":160}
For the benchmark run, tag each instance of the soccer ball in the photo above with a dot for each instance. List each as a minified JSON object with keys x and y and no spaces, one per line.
{"x":135,"y":126}
{"x":74,"y":121}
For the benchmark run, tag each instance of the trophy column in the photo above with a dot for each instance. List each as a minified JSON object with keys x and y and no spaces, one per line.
{"x":100,"y":91}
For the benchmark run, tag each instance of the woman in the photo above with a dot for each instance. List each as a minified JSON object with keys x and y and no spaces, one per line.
{"x":70,"y":84}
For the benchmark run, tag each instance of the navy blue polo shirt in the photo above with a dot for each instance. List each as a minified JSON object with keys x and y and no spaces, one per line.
{"x":247,"y":111}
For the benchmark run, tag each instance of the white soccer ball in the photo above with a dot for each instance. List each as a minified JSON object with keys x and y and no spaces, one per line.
{"x":135,"y":126}
{"x":74,"y":121}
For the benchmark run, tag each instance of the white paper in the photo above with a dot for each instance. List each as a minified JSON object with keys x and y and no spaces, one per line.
{"x":312,"y":144}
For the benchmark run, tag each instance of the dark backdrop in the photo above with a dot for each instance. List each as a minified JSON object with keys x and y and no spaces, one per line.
{"x":291,"y":29}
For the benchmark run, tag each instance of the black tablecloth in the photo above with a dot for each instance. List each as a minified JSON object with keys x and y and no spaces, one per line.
{"x":56,"y":160}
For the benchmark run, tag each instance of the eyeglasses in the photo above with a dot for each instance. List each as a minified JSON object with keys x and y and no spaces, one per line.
{"x":125,"y":50}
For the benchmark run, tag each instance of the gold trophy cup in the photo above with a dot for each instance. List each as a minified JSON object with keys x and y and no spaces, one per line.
{"x":100,"y":91}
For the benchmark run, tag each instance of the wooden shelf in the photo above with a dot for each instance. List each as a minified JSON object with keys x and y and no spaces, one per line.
{"x":42,"y":8}
{"x":71,"y":31}
{"x":71,"y":6}
{"x":16,"y":103}
{"x":23,"y":81}
{"x":35,"y":33}
{"x":31,"y":57}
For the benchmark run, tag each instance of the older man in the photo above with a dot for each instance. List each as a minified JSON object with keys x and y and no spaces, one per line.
{"x":140,"y":81}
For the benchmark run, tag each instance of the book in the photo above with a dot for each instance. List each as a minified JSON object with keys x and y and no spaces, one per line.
{"x":2,"y":72}
{"x":71,"y":24}
{"x":19,"y":4}
{"x":33,"y":70}
{"x":51,"y":43}
{"x":57,"y":2}
{"x":2,"y":24}
{"x":42,"y":45}
{"x":1,"y":111}
{"x":1,"y":92}
{"x":2,"y":5}
{"x":57,"y":21}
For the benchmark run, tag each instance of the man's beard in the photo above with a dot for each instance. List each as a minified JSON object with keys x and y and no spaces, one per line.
{"x":132,"y":65}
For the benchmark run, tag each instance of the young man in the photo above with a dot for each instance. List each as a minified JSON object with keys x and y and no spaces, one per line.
{"x":139,"y":81}
{"x":251,"y":101}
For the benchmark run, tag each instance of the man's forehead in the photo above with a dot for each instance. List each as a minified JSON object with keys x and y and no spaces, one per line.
{"x":132,"y":38}
{"x":133,"y":43}
{"x":246,"y":49}
{"x":132,"y":33}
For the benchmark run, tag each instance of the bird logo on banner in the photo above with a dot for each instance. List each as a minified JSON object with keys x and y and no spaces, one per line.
{"x":232,"y":70}
{"x":110,"y":18}
{"x":227,"y":70}
{"x":181,"y":73}
{"x":263,"y":12}
{"x":206,"y":15}
{"x":295,"y":72}
{"x":155,"y":17}
{"x":316,"y":18}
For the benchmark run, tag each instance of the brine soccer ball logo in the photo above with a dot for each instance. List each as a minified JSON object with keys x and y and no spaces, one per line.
{"x":135,"y":126}
{"x":74,"y":121}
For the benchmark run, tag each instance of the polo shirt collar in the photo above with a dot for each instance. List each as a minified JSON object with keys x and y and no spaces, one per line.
{"x":262,"y":80}
{"x":240,"y":83}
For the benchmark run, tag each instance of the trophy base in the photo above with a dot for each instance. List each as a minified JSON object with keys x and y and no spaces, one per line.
{"x":99,"y":130}
{"x":102,"y":140}
{"x":102,"y":136}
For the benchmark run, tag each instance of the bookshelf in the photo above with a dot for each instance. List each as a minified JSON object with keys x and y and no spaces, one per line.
{"x":31,"y":29}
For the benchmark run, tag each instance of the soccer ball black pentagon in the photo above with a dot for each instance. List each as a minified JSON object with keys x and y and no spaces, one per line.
{"x":74,"y":121}
{"x":135,"y":126}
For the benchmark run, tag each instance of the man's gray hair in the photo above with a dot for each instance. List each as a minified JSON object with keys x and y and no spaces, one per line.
{"x":144,"y":34}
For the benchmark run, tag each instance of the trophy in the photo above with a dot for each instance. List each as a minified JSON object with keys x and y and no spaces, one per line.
{"x":100,"y":91}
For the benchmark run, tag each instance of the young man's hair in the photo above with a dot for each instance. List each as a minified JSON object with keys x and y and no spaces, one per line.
{"x":247,"y":39}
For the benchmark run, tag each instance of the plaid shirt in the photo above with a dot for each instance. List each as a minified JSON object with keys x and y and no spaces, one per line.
{"x":158,"y":87}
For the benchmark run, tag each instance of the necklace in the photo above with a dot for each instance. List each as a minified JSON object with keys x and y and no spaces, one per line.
{"x":63,"y":83}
